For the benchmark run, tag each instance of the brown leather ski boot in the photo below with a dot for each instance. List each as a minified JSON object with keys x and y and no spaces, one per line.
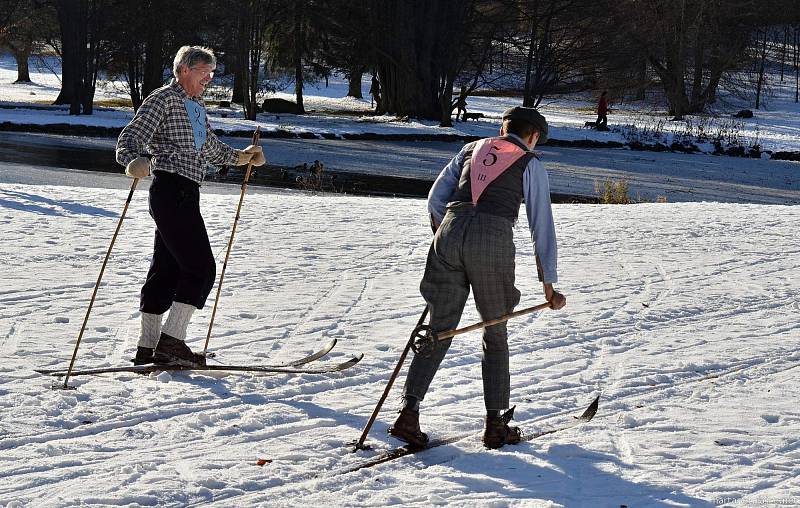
{"x":498,"y":433}
{"x":171,"y":350}
{"x":406,"y":428}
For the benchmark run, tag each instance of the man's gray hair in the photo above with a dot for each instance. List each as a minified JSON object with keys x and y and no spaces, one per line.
{"x":191,"y":56}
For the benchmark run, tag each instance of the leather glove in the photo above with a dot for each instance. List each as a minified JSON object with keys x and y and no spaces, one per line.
{"x":138,"y":167}
{"x":252,"y":153}
{"x":556,"y":299}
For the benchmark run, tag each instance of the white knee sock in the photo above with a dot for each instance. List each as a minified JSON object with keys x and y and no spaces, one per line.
{"x":178,"y":320}
{"x":151,"y":330}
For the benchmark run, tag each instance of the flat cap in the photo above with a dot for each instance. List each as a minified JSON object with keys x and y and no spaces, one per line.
{"x":531,"y":116}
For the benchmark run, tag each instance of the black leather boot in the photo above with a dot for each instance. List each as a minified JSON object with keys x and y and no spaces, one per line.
{"x":144,"y":355}
{"x":498,"y":433}
{"x":173,"y":351}
{"x":406,"y":428}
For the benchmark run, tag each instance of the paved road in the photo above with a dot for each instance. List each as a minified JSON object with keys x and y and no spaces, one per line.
{"x":42,"y":158}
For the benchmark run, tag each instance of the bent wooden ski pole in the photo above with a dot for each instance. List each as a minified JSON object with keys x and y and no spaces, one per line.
{"x":256,"y":137}
{"x":96,"y":286}
{"x":425,"y":343}
{"x":360,"y":443}
{"x":491,"y":322}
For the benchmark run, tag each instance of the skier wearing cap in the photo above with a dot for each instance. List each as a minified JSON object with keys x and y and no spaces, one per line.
{"x":473,"y":206}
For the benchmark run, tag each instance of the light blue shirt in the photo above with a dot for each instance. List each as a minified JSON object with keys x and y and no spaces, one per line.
{"x":197,"y":118}
{"x":536,"y":191}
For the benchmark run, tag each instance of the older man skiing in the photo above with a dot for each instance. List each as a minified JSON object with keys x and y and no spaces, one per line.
{"x":171,"y":138}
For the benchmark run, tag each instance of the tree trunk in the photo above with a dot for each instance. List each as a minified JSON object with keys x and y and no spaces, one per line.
{"x":527,"y":99}
{"x":71,"y":37}
{"x":796,"y":64}
{"x":243,"y":62}
{"x":80,"y":54}
{"x":783,"y":50}
{"x":238,"y":88}
{"x":354,"y":82}
{"x":713,"y":85}
{"x":699,"y":64}
{"x":90,"y":56}
{"x":298,"y":56}
{"x":446,"y":101}
{"x":134,"y":75}
{"x":674,"y":88}
{"x":153,"y":61}
{"x":415,"y":56}
{"x":641,"y":88}
{"x":760,"y":82}
{"x":21,"y":55}
{"x":255,"y":67}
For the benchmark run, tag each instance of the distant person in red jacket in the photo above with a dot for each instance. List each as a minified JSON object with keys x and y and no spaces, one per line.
{"x":602,"y":112}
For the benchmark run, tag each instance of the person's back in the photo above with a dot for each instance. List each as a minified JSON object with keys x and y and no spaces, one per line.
{"x":602,"y":112}
{"x":602,"y":105}
{"x":473,"y":205}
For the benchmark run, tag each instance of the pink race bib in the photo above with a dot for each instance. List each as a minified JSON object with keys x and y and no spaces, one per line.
{"x":490,"y":158}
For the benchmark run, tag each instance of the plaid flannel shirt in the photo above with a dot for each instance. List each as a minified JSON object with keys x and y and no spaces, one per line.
{"x":161,"y":128}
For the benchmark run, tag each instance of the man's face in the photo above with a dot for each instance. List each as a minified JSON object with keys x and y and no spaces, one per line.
{"x":195,"y":79}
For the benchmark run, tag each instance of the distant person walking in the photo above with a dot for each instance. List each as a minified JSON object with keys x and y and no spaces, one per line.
{"x":473,"y":206}
{"x":602,"y":112}
{"x":170,"y":136}
{"x":461,"y":104}
{"x":375,"y":91}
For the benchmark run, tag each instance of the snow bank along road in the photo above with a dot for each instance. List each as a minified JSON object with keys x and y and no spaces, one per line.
{"x":684,"y":317}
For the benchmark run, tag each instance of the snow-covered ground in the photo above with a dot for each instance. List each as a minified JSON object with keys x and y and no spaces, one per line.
{"x":683,"y":317}
{"x":774,"y":128}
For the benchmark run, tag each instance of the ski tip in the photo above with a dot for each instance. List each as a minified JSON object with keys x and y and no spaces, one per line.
{"x":52,"y":372}
{"x":49,"y":372}
{"x":591,"y":410}
{"x":352,"y":361}
{"x":357,"y":358}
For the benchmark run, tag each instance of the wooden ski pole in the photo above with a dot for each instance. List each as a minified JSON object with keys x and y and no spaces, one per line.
{"x":65,"y":386}
{"x":360,"y":443}
{"x":429,"y":338}
{"x":256,"y":137}
{"x":427,"y":342}
{"x":490,"y":322}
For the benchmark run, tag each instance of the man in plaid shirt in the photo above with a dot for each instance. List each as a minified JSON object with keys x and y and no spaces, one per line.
{"x":170,"y":136}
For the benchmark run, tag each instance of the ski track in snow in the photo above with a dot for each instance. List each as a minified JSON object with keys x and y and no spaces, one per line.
{"x":682,"y":316}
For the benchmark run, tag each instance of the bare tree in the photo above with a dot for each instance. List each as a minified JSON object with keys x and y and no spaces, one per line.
{"x":252,"y":22}
{"x":417,"y":46}
{"x":793,"y":49}
{"x":295,"y":40}
{"x":761,"y":41}
{"x":84,"y":51}
{"x":23,"y":27}
{"x":554,"y":44}
{"x":689,"y":44}
{"x":344,"y":46}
